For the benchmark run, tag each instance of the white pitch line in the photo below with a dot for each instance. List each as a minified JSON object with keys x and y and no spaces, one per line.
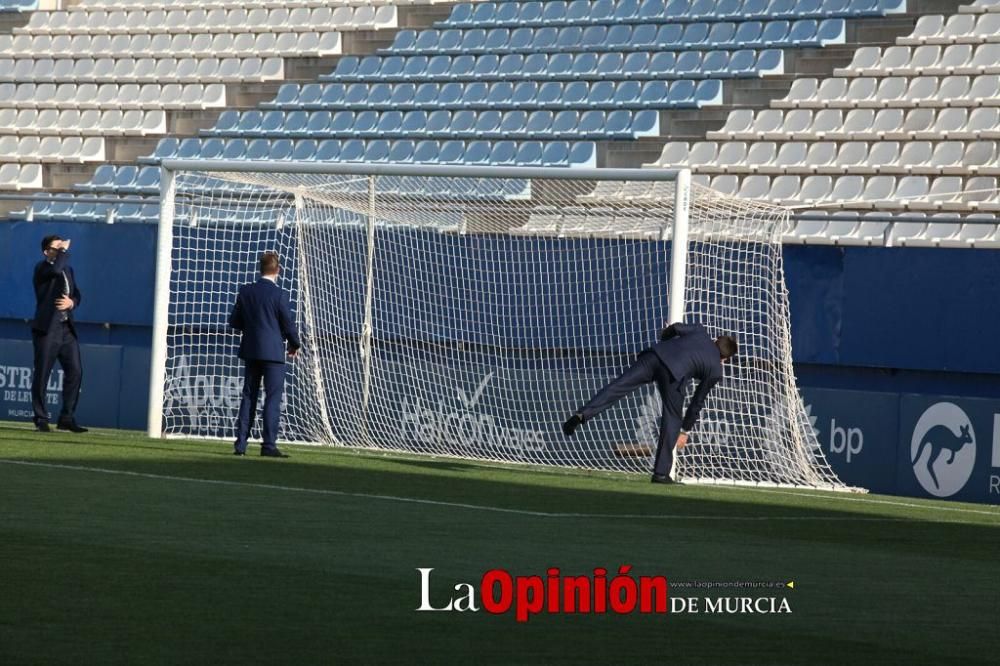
{"x":457,"y":505}
{"x":868,"y":500}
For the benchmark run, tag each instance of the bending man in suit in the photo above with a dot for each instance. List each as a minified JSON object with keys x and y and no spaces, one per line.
{"x":685,"y":352}
{"x":53,"y":334}
{"x":263,"y":314}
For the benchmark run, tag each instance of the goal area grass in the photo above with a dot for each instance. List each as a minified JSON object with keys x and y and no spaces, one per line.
{"x":117,"y":548}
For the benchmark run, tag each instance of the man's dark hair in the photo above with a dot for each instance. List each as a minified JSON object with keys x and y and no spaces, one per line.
{"x":727,"y":346}
{"x":48,"y":241}
{"x":269,"y":263}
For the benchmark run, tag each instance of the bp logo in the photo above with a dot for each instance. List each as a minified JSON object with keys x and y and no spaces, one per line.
{"x":943,"y":449}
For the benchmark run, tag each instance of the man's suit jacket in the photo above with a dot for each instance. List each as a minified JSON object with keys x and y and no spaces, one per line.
{"x":263,"y":314}
{"x":689,"y":353}
{"x":49,"y":286}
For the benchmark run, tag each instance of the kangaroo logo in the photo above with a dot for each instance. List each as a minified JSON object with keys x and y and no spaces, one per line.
{"x":943,"y":449}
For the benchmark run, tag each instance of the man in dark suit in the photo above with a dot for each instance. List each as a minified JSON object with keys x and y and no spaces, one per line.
{"x":53,"y":334}
{"x":685,"y":352}
{"x":263,"y":314}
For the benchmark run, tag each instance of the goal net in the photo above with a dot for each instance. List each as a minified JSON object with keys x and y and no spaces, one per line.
{"x":469,"y":315}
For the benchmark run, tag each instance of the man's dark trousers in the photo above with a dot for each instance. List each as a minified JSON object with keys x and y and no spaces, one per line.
{"x":647,"y":368}
{"x":273,"y":376}
{"x":59,"y":343}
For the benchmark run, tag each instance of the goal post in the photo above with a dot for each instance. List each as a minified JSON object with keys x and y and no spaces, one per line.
{"x":466,"y":311}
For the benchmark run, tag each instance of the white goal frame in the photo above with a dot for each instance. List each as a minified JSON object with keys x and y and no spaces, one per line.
{"x":675,"y":230}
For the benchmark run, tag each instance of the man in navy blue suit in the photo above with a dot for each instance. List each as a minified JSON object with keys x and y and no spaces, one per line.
{"x":263,"y":314}
{"x":53,"y":334}
{"x":685,"y":352}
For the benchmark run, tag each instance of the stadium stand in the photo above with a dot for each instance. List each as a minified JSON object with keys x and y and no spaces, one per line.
{"x":832,"y":106}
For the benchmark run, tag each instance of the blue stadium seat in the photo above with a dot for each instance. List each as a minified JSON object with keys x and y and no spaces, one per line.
{"x":550,"y":93}
{"x":601,"y":93}
{"x":656,"y":93}
{"x":513,"y":122}
{"x":281,"y":149}
{"x":501,"y":94}
{"x":748,"y":33}
{"x":582,"y":154}
{"x":427,"y":93}
{"x":450,"y":41}
{"x":534,"y":65}
{"x":520,"y":39}
{"x":364,"y":122}
{"x":376,"y":151}
{"x":627,"y":93}
{"x":356,"y":94}
{"x":417,"y":65}
{"x":539,"y":122}
{"x":389,"y":123}
{"x":333,"y":94}
{"x":473,"y":39}
{"x":775,"y":32}
{"x":529,"y":153}
{"x":305,"y":150}
{"x":438,"y":122}
{"x":328,"y":150}
{"x":258,"y":149}
{"x":645,"y":123}
{"x":401,"y":151}
{"x":530,"y":12}
{"x":451,"y":152}
{"x":103,"y":179}
{"x":227,"y":121}
{"x":250,"y":121}
{"x":487,"y":122}
{"x":564,"y":122}
{"x":831,"y":31}
{"x":352,"y":150}
{"x":379,"y":93}
{"x":405,"y":40}
{"x":341,"y":122}
{"x":503,"y":153}
{"x":211,"y":149}
{"x":236,"y":149}
{"x":554,"y":11}
{"x":626,"y":10}
{"x":310,"y":94}
{"x":391,"y":67}
{"x":592,"y":122}
{"x":618,"y":37}
{"x":477,"y":152}
{"x":713,"y":63}
{"x":576,"y":93}
{"x":619,"y":124}
{"x":695,"y":35}
{"x":667,"y":36}
{"x":689,"y":63}
{"x":83,"y":210}
{"x":319,"y":123}
{"x":721,"y":34}
{"x":425,"y":151}
{"x":441,"y":65}
{"x":634,"y":64}
{"x":403,"y":95}
{"x":562,"y":64}
{"x":462,"y":121}
{"x":189,"y":149}
{"x":524,"y":93}
{"x":450,"y":94}
{"x":475,"y":94}
{"x":708,"y":92}
{"x":413,"y":122}
{"x":555,"y":153}
{"x":273,"y":123}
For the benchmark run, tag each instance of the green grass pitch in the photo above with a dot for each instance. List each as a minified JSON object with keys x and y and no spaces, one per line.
{"x":118,"y":549}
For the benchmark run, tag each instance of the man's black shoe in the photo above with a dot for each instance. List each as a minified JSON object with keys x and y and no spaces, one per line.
{"x":273,"y":453}
{"x":72,"y":426}
{"x":42,"y":426}
{"x":572,"y":423}
{"x":663,"y":478}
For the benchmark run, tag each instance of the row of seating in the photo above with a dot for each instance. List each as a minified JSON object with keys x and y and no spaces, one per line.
{"x":926,"y":60}
{"x":76,"y":96}
{"x":531,"y":13}
{"x":826,"y":157}
{"x":668,"y":36}
{"x":205,"y":44}
{"x":90,"y":5}
{"x":954,"y":29}
{"x":130,"y":212}
{"x":953,"y":123}
{"x":919,"y":230}
{"x":441,"y":124}
{"x":892,"y":91}
{"x":20,"y":176}
{"x":525,"y":95}
{"x":73,"y":149}
{"x":72,"y":122}
{"x":560,"y":66}
{"x":122,"y":179}
{"x":857,"y":192}
{"x":142,"y":70}
{"x":302,"y":19}
{"x":528,"y":153}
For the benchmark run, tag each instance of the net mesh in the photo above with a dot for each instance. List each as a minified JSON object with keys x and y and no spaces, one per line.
{"x":470,"y":316}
